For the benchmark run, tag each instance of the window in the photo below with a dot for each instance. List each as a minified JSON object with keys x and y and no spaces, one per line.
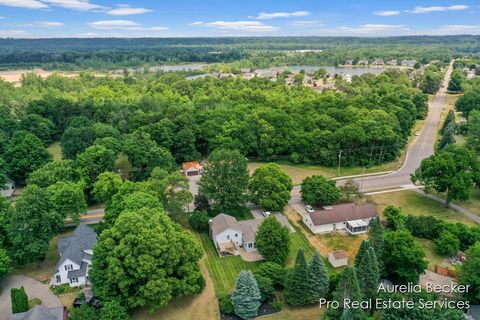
{"x":58,"y":279}
{"x":74,"y":280}
{"x":236,"y":235}
{"x":68,"y":267}
{"x":228,"y":237}
{"x":250,"y":245}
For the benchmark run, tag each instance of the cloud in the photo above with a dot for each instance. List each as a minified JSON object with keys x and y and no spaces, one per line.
{"x":123,"y":25}
{"x":14,"y":34}
{"x":273,"y":15}
{"x":421,"y":10}
{"x":307,"y":23}
{"x":386,"y":13}
{"x":29,"y":4}
{"x":43,"y":24}
{"x":126,"y":10}
{"x":248,"y":26}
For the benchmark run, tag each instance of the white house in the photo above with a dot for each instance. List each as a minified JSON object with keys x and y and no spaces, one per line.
{"x":350,"y":218}
{"x":75,"y":257}
{"x":8,"y":189}
{"x":228,"y":234}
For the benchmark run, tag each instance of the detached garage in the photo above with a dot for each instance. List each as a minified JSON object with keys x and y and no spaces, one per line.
{"x":192,"y":168}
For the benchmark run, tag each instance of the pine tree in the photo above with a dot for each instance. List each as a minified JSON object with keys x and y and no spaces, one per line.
{"x":348,"y":288}
{"x":362,"y":251}
{"x":368,"y":273}
{"x":376,"y":239}
{"x":317,"y":279}
{"x":296,"y":285}
{"x":448,"y":136}
{"x":246,"y":296}
{"x":19,"y":300}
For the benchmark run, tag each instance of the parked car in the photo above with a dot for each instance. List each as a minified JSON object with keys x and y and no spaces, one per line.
{"x":77,"y":303}
{"x":95,"y":302}
{"x":417,"y":133}
{"x":309,"y":209}
{"x":266,"y":213}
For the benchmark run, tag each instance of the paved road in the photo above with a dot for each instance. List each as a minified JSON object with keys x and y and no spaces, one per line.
{"x":33,"y":288}
{"x":422,"y":147}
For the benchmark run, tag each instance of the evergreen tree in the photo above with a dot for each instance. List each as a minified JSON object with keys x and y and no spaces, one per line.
{"x":19,"y":300}
{"x":375,"y":235}
{"x":368,"y":272}
{"x":362,"y":251}
{"x":448,"y":136}
{"x":347,"y":288}
{"x":318,"y":283}
{"x":296,"y":285}
{"x":246,"y":296}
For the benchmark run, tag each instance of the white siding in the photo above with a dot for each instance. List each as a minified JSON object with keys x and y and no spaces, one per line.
{"x":234,"y":235}
{"x":63,"y":273}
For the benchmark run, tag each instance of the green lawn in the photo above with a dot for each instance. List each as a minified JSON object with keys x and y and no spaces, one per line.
{"x":416,"y":204}
{"x":433,"y":257}
{"x":224,"y":270}
{"x":55,"y":150}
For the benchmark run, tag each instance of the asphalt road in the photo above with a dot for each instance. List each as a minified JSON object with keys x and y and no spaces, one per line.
{"x":422,"y":147}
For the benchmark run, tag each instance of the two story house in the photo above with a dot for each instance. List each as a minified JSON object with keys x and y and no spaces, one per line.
{"x":75,"y":257}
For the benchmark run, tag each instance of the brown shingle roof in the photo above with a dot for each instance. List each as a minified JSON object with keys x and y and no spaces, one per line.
{"x":223,"y":222}
{"x":342,"y":213}
{"x":339,"y":255}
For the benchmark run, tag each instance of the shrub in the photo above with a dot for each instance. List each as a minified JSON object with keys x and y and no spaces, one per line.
{"x":447,"y":243}
{"x":19,"y":300}
{"x":199,"y":220}
{"x":266,"y":287}
{"x":276,"y":305}
{"x":272,"y":271}
{"x":225,"y":304}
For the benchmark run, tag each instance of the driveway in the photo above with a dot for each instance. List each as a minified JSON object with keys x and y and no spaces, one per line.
{"x":33,"y":288}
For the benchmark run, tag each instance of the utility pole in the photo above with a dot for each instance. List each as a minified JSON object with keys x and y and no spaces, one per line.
{"x":339,"y":162}
{"x":361,"y":183}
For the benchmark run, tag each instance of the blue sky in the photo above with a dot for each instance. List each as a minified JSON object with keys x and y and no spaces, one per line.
{"x":182,"y":18}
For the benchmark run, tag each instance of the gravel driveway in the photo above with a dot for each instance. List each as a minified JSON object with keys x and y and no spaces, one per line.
{"x":33,"y":288}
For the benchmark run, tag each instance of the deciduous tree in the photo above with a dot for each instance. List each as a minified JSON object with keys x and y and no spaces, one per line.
{"x":317,"y":190}
{"x":273,"y":240}
{"x":146,"y":259}
{"x":270,"y":187}
{"x":225,"y":179}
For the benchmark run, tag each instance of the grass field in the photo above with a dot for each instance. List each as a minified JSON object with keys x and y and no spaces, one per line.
{"x":433,"y":257}
{"x":55,"y":150}
{"x":415,"y":204}
{"x":224,"y":270}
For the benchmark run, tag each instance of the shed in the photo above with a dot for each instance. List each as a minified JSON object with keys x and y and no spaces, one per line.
{"x":338,"y":258}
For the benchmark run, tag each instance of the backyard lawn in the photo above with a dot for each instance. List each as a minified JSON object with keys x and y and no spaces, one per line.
{"x":224,"y":270}
{"x":415,"y":204}
{"x":433,"y":257}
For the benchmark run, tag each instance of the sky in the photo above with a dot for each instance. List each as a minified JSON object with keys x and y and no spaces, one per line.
{"x":221,"y":18}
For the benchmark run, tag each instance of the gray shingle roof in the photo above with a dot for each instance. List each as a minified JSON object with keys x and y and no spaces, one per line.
{"x":73,"y":247}
{"x":40,"y":313}
{"x":82,"y":272}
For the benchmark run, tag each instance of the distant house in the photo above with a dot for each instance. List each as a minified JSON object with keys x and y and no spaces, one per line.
{"x":75,"y":257}
{"x":338,"y":259}
{"x":248,"y":75}
{"x":8,"y":189}
{"x":192,"y":168}
{"x":408,"y":63}
{"x":348,"y":62}
{"x":350,"y":218}
{"x":362,"y":62}
{"x":40,"y":312}
{"x":347,"y":77}
{"x":392,"y":63}
{"x":378,"y":62}
{"x":228,"y":234}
